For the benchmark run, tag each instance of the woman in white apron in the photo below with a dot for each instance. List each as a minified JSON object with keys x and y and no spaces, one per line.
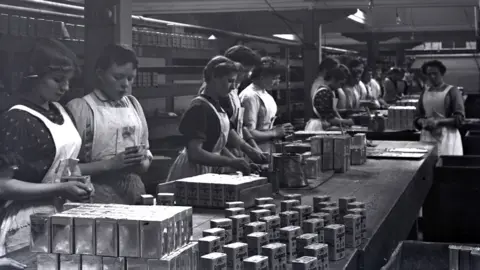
{"x":205,"y":126}
{"x":440,"y":111}
{"x":325,"y":101}
{"x":261,"y":108}
{"x":114,"y":130}
{"x":41,"y":134}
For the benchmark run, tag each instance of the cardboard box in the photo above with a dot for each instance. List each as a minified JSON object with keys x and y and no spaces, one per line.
{"x":326,"y":217}
{"x":236,"y":253}
{"x":257,"y":226}
{"x":289,"y":218}
{"x":343,"y":203}
{"x":256,"y":262}
{"x":151,"y":233}
{"x":218,"y":232}
{"x":304,"y":212}
{"x":335,"y":238}
{"x":214,"y":261}
{"x":147,"y":199}
{"x":234,"y":211}
{"x":305,"y":263}
{"x":287,"y":205}
{"x":354,"y":205}
{"x":362,"y":212}
{"x":313,"y":167}
{"x":319,"y":251}
{"x":322,"y":205}
{"x":256,"y":241}
{"x":272,"y":226}
{"x":334,"y":212}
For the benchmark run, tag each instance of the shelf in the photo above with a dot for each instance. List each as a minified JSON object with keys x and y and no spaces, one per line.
{"x":173,"y":70}
{"x":177,"y":53}
{"x":166,"y":90}
{"x":293,"y":85}
{"x":24,"y":44}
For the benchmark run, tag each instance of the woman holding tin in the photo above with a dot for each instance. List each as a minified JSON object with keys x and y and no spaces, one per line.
{"x":261,"y":108}
{"x":205,"y":126}
{"x":440,"y":111}
{"x":114,"y":130}
{"x":39,"y":132}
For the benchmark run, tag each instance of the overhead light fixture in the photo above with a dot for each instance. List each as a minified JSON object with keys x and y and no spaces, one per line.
{"x":358,"y":17}
{"x":286,"y":36}
{"x":212,"y":37}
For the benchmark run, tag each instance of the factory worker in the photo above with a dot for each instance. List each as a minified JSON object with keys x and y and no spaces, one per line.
{"x":261,"y":108}
{"x":374,"y":91}
{"x":114,"y":130}
{"x":440,"y":111}
{"x":327,"y":64}
{"x":240,"y":141}
{"x":39,"y":132}
{"x":206,"y":126}
{"x":391,"y":90}
{"x":325,"y":102}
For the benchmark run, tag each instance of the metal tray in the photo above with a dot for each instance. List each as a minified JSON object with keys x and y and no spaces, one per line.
{"x":394,"y":155}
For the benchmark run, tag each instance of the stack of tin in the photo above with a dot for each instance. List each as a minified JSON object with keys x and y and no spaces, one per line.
{"x":98,"y":236}
{"x":408,"y":102}
{"x":401,"y":117}
{"x":358,"y":149}
{"x":213,"y":190}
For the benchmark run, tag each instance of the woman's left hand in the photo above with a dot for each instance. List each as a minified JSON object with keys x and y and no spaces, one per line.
{"x":430,"y":124}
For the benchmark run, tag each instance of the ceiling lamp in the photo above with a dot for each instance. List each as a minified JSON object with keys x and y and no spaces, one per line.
{"x":358,"y":17}
{"x":212,"y":37}
{"x":286,"y":36}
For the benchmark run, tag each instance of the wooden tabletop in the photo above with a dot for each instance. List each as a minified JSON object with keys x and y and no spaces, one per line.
{"x":393,"y":190}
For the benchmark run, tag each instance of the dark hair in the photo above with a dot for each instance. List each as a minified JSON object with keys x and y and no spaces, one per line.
{"x":366,"y":73}
{"x":395,"y":71}
{"x":434,"y":63}
{"x":327,"y":64}
{"x":116,"y":54}
{"x":220,"y":66}
{"x":243,"y":55}
{"x":353,"y":63}
{"x":336,"y":74}
{"x":268,"y":67}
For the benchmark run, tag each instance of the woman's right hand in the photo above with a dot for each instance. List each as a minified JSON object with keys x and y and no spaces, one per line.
{"x":283,"y":130}
{"x":347,"y":122}
{"x":241,"y":164}
{"x":126,"y":159}
{"x":76,"y":191}
{"x":9,"y":264}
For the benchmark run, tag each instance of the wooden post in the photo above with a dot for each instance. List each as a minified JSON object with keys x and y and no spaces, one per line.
{"x":372,"y":54}
{"x":310,"y":59}
{"x":106,"y":22}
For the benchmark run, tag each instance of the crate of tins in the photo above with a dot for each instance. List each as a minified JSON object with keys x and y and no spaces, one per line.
{"x":109,"y":236}
{"x":214,"y":190}
{"x":302,"y":236}
{"x":401,"y":117}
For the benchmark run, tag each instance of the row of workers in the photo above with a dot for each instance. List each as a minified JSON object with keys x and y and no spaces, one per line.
{"x":224,"y":131}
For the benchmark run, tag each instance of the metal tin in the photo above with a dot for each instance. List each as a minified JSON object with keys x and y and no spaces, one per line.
{"x":85,"y":237}
{"x":70,"y":262}
{"x":41,"y":234}
{"x":90,"y":262}
{"x":129,"y":238}
{"x":106,"y":230}
{"x":113,"y":263}
{"x":137,"y":264}
{"x":48,"y":261}
{"x":150,"y":239}
{"x":62,"y":234}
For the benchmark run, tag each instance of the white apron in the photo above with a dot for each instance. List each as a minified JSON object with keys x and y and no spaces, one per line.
{"x":317,"y":124}
{"x":448,"y":139}
{"x":15,"y":228}
{"x":115,"y":129}
{"x":237,"y":118}
{"x":182,"y":167}
{"x":269,"y":119}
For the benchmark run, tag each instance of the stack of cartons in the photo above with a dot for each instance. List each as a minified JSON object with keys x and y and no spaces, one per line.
{"x":341,"y":159}
{"x":213,"y":190}
{"x":401,"y":117}
{"x":109,"y":236}
{"x":358,"y":152}
{"x":323,"y":146}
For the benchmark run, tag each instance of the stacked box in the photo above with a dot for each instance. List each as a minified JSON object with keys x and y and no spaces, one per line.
{"x":96,"y":236}
{"x":234,"y":211}
{"x":353,"y":230}
{"x":209,"y":244}
{"x":289,"y":218}
{"x":272,"y":226}
{"x":343,"y":204}
{"x":256,"y":262}
{"x":276,"y":254}
{"x":358,"y":152}
{"x":218,"y":232}
{"x":335,"y":238}
{"x":323,"y":146}
{"x":363,"y":213}
{"x":334,"y":212}
{"x":166,"y":199}
{"x":256,"y":241}
{"x":238,"y":226}
{"x":319,"y":206}
{"x":305,"y":240}
{"x":288,"y":236}
{"x":304,"y":212}
{"x":214,"y":190}
{"x":235,"y":205}
{"x":341,"y":163}
{"x":225,"y":224}
{"x":257,"y":226}
{"x":401,"y":117}
{"x":326,"y":217}
{"x":319,"y":251}
{"x":354,"y":205}
{"x":313,"y":167}
{"x":314,"y":225}
{"x":147,"y":199}
{"x":288,"y":205}
{"x":213,"y":261}
{"x":297,"y":197}
{"x":305,"y":263}
{"x":236,"y":253}
{"x":262,"y":201}
{"x":256,"y":215}
{"x":270,"y":207}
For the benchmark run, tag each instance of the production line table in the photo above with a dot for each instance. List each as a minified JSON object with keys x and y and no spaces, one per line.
{"x":393,"y":190}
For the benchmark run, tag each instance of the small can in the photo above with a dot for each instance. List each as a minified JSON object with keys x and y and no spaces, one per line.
{"x":113,"y":263}
{"x":270,"y":207}
{"x":41,"y":234}
{"x":218,"y":232}
{"x":314,"y":225}
{"x":257,"y":226}
{"x":226,"y":224}
{"x":276,"y":253}
{"x":321,"y":198}
{"x":129,"y":238}
{"x":255,"y":215}
{"x":166,"y":199}
{"x":70,"y":261}
{"x":84,"y":235}
{"x":353,"y":230}
{"x":305,"y":240}
{"x":288,"y":236}
{"x":297,"y":197}
{"x":474,"y":259}
{"x":256,"y":262}
{"x":335,"y":238}
{"x":147,"y":199}
{"x":287,"y":205}
{"x":238,"y":226}
{"x":48,"y":261}
{"x":289,"y":218}
{"x":464,"y":258}
{"x":265,"y":200}
{"x":106,"y":231}
{"x":62,"y":234}
{"x":90,"y":262}
{"x":208,"y":245}
{"x":213,"y":261}
{"x":305,"y":263}
{"x":256,"y":241}
{"x":334,"y":212}
{"x":319,"y":251}
{"x":234,"y":211}
{"x":235,"y":205}
{"x":236,"y":253}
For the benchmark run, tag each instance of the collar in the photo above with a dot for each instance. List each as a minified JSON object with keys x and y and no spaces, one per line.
{"x":100,"y":96}
{"x":214,"y":102}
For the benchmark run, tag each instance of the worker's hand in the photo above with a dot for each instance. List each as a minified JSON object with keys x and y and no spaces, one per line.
{"x":347,"y":122}
{"x":256,"y":156}
{"x":76,"y":191}
{"x":9,"y":264}
{"x":283,"y":130}
{"x":289,"y":128}
{"x":240,"y":164}
{"x":255,"y":168}
{"x":129,"y":158}
{"x":430,"y":124}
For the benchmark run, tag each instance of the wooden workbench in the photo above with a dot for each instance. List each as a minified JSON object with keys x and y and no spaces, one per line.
{"x":393,"y":190}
